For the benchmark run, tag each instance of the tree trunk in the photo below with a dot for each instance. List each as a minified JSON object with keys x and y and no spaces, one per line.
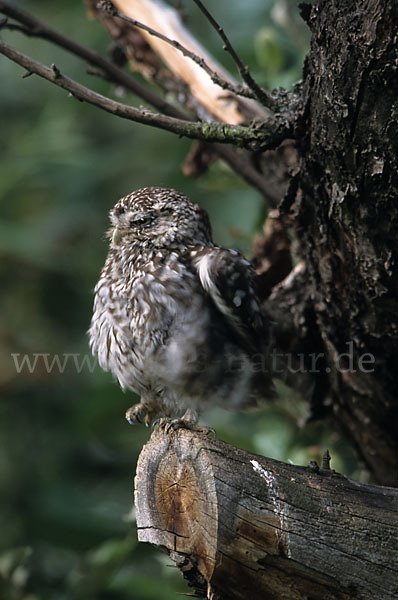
{"x":242,"y":526}
{"x":346,"y":215}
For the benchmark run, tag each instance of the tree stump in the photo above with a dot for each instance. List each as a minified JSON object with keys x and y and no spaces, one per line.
{"x":241,"y":526}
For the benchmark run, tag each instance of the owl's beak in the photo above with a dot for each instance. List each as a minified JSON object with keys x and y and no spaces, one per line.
{"x":117,"y":234}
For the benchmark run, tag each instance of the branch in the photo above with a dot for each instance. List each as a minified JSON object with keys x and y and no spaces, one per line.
{"x":35,"y":28}
{"x":242,"y":166}
{"x":257,"y":92}
{"x":238,"y":90}
{"x":260,"y":137}
{"x":32,"y":27}
{"x":227,"y":107}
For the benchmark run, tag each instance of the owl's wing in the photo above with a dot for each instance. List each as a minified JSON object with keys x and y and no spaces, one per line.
{"x":227,"y":277}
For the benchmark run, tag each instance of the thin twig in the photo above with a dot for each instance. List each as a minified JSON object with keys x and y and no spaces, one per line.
{"x":242,"y":166}
{"x":35,"y":28}
{"x":269,"y":135}
{"x":259,"y":93}
{"x":238,"y":90}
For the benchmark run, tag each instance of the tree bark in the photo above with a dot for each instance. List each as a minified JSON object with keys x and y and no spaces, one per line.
{"x":347,"y":214}
{"x":242,"y":526}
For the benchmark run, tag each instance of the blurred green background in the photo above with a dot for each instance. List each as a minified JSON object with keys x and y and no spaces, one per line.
{"x":67,"y":456}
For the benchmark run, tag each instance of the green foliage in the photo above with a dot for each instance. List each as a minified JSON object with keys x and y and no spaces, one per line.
{"x":67,"y":456}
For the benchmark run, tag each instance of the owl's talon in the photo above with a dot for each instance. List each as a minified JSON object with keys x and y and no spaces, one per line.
{"x":172,"y":425}
{"x":141,"y":413}
{"x":168,"y":425}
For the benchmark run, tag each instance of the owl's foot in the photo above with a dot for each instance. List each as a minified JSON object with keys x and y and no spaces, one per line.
{"x":174,"y":424}
{"x":140,"y":413}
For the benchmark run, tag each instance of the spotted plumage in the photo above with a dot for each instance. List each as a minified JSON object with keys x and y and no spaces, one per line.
{"x":176,"y":318}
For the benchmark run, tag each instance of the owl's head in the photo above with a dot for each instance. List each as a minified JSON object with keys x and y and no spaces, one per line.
{"x":158,"y":217}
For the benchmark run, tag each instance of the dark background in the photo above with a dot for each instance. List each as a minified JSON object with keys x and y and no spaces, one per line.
{"x":67,"y":456}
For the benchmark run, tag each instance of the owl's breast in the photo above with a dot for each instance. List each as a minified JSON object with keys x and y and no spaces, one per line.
{"x":149,"y":326}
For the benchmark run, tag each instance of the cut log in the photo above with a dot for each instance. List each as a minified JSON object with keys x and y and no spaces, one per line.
{"x":241,"y":526}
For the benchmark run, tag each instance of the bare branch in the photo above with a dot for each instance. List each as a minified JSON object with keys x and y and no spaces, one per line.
{"x":144,"y":50}
{"x":35,"y":28}
{"x":260,"y":137}
{"x":242,"y":166}
{"x":32,"y":27}
{"x":238,"y":90}
{"x":259,"y":93}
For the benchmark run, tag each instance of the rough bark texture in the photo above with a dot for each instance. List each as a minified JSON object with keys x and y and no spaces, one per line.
{"x":242,"y":526}
{"x":347,"y":215}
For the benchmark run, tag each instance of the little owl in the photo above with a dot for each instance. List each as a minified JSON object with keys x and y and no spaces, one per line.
{"x":176,"y":318}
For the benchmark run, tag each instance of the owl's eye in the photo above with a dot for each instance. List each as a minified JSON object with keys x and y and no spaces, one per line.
{"x":166,"y":211}
{"x":141,"y":221}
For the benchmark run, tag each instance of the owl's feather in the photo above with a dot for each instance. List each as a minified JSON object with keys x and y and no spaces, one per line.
{"x":227,"y":277}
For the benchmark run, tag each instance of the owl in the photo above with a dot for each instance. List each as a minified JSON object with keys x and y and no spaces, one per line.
{"x":176,"y":318}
